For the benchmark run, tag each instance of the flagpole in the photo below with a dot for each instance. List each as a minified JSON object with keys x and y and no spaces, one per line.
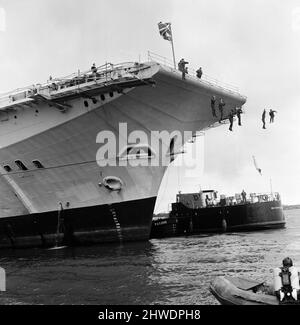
{"x":174,"y":61}
{"x":271,"y":187}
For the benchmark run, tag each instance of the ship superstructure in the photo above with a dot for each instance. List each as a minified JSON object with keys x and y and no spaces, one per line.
{"x":54,"y":184}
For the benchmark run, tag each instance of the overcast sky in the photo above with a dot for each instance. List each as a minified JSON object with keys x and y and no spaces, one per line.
{"x":254,"y":44}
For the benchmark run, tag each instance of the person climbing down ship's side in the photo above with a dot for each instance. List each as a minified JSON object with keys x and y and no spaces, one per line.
{"x":213,"y":105}
{"x":221,"y":109}
{"x":231,"y":119}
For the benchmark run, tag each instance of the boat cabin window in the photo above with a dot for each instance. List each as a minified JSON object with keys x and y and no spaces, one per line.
{"x":38,"y":164}
{"x":7,"y":168}
{"x":102,"y":97}
{"x":20,"y":165}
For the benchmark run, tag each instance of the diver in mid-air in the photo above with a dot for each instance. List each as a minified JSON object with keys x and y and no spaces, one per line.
{"x":263,"y":118}
{"x":272,"y":115}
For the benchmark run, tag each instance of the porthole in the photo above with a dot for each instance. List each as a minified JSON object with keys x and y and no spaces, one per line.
{"x":129,"y":149}
{"x":111,"y":94}
{"x":139,"y":151}
{"x":171,"y":149}
{"x":20,"y":165}
{"x":86,"y":104}
{"x":102,"y":97}
{"x":7,"y":168}
{"x":38,"y":164}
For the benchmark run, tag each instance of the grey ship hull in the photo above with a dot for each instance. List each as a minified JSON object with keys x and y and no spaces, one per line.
{"x":65,"y":142}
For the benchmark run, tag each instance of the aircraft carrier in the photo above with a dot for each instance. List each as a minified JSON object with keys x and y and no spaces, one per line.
{"x":57,"y":189}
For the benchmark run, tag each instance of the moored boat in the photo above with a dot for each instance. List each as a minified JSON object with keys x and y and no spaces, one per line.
{"x":242,"y":291}
{"x":202,"y":212}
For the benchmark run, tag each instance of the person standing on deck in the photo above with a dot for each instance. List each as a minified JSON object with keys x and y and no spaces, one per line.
{"x":244,"y":196}
{"x":94,"y":69}
{"x":183,"y":68}
{"x":199,"y":73}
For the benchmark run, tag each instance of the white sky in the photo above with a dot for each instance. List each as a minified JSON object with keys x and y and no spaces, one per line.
{"x":254,"y":44}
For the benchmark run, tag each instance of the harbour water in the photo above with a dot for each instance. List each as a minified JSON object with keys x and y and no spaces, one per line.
{"x":166,"y":271}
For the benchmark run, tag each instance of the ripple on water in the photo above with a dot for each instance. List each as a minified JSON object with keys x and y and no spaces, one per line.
{"x":167,"y":271}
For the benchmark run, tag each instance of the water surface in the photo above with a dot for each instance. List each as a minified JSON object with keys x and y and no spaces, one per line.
{"x":161,"y":271}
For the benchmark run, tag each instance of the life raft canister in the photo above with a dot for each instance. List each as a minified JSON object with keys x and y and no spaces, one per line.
{"x":286,"y":283}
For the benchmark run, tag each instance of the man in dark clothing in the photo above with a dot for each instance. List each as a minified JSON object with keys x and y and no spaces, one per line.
{"x":207,"y":201}
{"x":272,"y":115}
{"x":239,"y":113}
{"x":180,"y":65}
{"x":231,"y":120}
{"x":183,"y":68}
{"x":199,"y":73}
{"x":94,"y":68}
{"x":213,"y":106}
{"x":244,"y":196}
{"x":263,"y":118}
{"x":221,"y":109}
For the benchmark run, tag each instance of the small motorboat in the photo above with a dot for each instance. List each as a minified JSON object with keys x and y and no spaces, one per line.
{"x":240,"y":291}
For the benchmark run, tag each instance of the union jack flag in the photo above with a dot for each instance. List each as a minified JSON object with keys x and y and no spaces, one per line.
{"x":165,"y":30}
